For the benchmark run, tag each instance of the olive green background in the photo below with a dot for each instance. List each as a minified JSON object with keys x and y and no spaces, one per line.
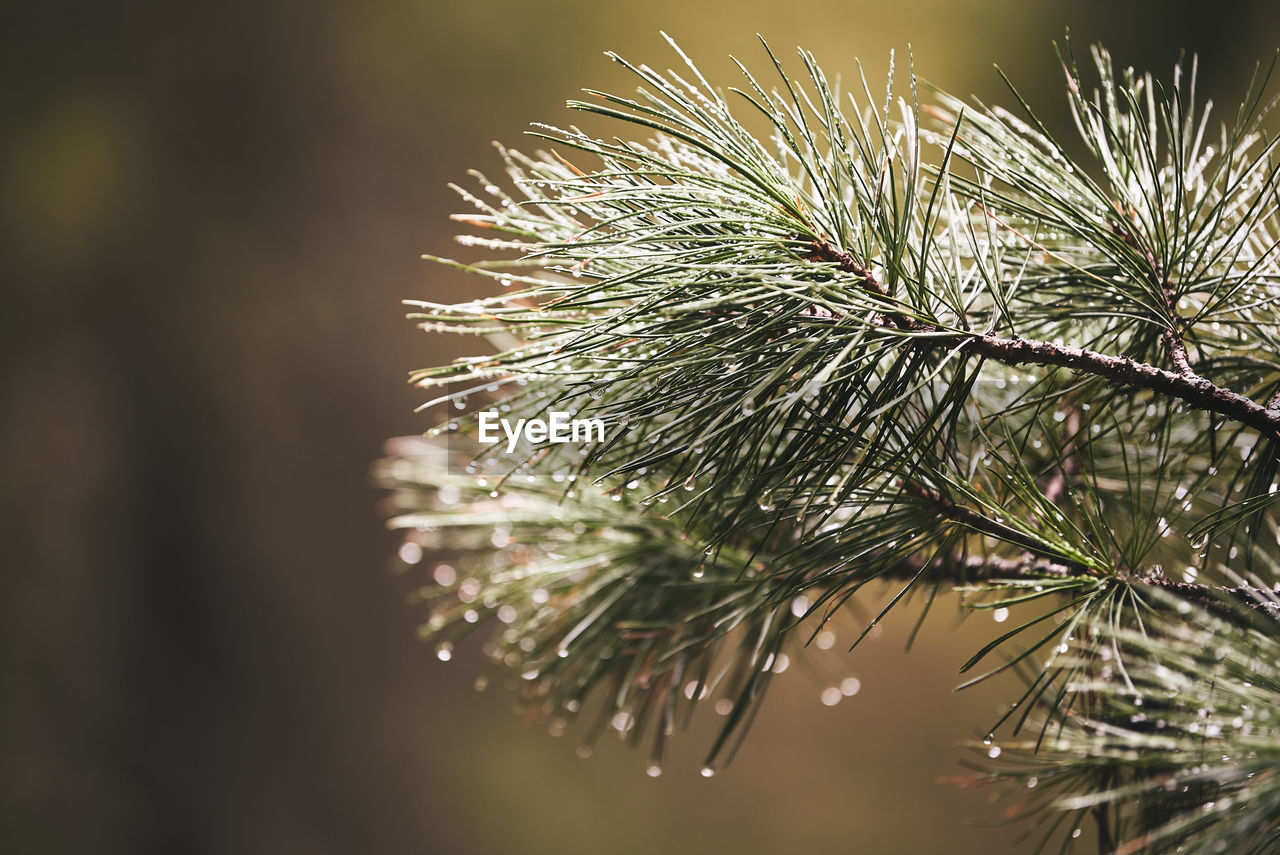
{"x":208,"y":216}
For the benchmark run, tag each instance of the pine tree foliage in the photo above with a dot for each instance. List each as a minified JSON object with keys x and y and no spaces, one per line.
{"x":842,"y":338}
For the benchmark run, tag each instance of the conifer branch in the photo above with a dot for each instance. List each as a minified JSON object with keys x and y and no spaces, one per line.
{"x":1190,"y":389}
{"x":962,"y":569}
{"x":828,"y":358}
{"x":1069,"y":465}
{"x":1173,"y":335}
{"x":1183,"y":384}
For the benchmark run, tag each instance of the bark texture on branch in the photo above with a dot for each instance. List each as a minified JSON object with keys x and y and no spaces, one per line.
{"x":1184,"y":385}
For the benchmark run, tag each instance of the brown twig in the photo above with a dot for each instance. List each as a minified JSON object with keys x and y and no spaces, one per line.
{"x":1068,"y":464}
{"x":1173,"y":335}
{"x":985,"y":525}
{"x":961,"y":568}
{"x":1191,"y":389}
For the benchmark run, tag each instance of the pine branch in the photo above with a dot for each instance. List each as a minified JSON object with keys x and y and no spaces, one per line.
{"x":1173,"y":335}
{"x":1184,"y":384}
{"x":1069,"y":465}
{"x":829,"y":359}
{"x":1173,"y":751}
{"x":981,"y":524}
{"x":1190,"y":389}
{"x":964,"y":569}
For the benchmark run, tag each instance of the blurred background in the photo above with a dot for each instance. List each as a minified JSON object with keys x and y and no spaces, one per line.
{"x":210,"y":213}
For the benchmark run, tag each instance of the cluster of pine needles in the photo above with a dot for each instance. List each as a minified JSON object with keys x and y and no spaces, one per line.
{"x":843,"y":338}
